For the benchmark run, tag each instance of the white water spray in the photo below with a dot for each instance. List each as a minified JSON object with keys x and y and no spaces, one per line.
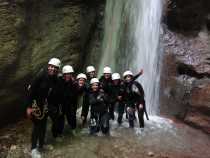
{"x":131,"y":41}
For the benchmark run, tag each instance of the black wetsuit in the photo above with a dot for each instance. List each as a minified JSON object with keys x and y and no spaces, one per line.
{"x":106,"y":86}
{"x":116,"y":91}
{"x":99,"y":117}
{"x":135,"y":97}
{"x":43,"y":96}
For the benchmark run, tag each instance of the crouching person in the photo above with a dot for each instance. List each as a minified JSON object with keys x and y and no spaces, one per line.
{"x":99,"y":117}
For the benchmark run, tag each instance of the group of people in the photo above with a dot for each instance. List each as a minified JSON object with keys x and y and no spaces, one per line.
{"x":58,"y":96}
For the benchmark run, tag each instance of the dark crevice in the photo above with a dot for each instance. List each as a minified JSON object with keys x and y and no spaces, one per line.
{"x":208,"y":63}
{"x":93,"y":29}
{"x":187,"y":15}
{"x":203,"y":110}
{"x":184,"y":69}
{"x":196,"y":126}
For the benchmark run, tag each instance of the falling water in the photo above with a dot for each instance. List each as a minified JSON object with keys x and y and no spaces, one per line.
{"x":131,"y":41}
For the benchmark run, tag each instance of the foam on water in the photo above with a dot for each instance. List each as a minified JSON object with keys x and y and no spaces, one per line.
{"x":161,"y":133}
{"x":154,"y":125}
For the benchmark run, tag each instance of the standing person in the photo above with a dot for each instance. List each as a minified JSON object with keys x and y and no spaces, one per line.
{"x":81,"y":92}
{"x":42,"y":98}
{"x":137,"y":75}
{"x":134,"y":77}
{"x":99,"y":117}
{"x":81,"y":83}
{"x":68,"y":99}
{"x":106,"y":83}
{"x":90,"y":73}
{"x":118,"y":95}
{"x":134,"y":99}
{"x":71,"y":91}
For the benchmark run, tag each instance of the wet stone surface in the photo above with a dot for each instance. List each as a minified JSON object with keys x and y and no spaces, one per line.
{"x":161,"y":138}
{"x":185,"y":78}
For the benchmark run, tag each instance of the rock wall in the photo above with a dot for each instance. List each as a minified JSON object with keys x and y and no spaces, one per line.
{"x":32,"y":31}
{"x":185,"y":81}
{"x":188,"y":15}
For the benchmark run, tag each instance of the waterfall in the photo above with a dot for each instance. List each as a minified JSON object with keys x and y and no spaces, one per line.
{"x":131,"y":41}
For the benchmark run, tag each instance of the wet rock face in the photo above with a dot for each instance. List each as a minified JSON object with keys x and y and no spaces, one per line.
{"x":200,"y":95}
{"x":185,"y":79}
{"x":33,"y":31}
{"x":187,"y":15}
{"x":185,"y":83}
{"x":198,"y":113}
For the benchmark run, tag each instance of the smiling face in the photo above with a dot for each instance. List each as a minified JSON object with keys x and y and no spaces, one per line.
{"x":92,"y":74}
{"x":52,"y":70}
{"x":95,"y":87}
{"x":128,"y":78}
{"x":81,"y":82}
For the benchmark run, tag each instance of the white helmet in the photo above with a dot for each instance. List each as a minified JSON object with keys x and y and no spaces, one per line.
{"x":115,"y":76}
{"x":55,"y":62}
{"x":94,"y":80}
{"x":81,"y":75}
{"x":67,"y":69}
{"x":127,"y":73}
{"x":107,"y":70}
{"x":90,"y":69}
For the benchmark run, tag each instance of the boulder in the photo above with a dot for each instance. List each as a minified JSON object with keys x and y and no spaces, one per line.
{"x":198,"y":120}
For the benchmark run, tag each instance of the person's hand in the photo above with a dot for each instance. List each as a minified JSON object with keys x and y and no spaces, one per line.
{"x":29,"y":112}
{"x":119,"y":97}
{"x":141,"y":72}
{"x":141,"y":106}
{"x":29,"y":87}
{"x":100,"y":97}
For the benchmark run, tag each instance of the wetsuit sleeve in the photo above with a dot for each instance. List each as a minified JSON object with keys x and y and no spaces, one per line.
{"x":60,"y":90}
{"x":141,"y":93}
{"x":85,"y":106}
{"x":136,"y":76}
{"x":93,"y":100}
{"x":33,"y":88}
